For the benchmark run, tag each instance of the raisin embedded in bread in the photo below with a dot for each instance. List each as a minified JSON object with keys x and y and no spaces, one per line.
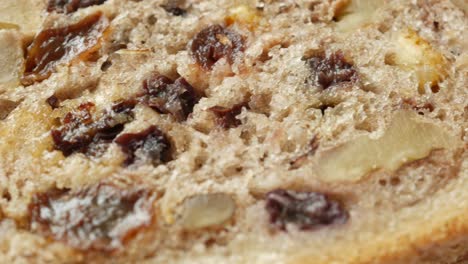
{"x":224,"y":131}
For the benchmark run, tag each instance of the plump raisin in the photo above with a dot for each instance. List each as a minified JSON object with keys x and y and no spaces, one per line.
{"x":151,"y":146}
{"x":98,"y":217}
{"x":226,"y":117}
{"x":170,"y":97}
{"x":81,"y":133}
{"x":332,"y":69}
{"x":216,"y":42}
{"x":52,"y":47}
{"x":70,"y":6}
{"x":306,"y":210}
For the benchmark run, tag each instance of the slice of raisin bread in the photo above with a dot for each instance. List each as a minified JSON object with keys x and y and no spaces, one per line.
{"x":293,"y":131}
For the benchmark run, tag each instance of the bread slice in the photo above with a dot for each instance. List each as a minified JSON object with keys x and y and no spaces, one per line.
{"x":228,"y":131}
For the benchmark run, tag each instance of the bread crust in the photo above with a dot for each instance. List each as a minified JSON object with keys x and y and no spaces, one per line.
{"x":279,"y":91}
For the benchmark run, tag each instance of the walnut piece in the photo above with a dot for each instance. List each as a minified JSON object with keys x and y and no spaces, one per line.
{"x":413,"y":53}
{"x":358,"y":14}
{"x":206,"y":210}
{"x":407,"y":138}
{"x":244,"y":15}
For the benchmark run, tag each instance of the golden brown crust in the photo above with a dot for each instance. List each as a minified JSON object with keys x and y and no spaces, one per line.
{"x":354,"y":105}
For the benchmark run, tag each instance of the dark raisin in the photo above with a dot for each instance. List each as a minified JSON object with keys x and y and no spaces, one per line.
{"x":150,"y":145}
{"x":70,"y":6}
{"x":170,"y":97}
{"x":99,"y":217}
{"x":216,"y":42}
{"x":226,"y":117}
{"x":81,"y":133}
{"x":306,"y":210}
{"x":53,"y":101}
{"x":74,"y":135}
{"x":52,"y":47}
{"x":332,"y":69}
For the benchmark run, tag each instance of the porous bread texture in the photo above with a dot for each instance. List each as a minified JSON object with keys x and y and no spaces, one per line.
{"x":415,"y":213}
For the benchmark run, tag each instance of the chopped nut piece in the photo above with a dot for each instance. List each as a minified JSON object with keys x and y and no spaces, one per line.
{"x":358,"y":14}
{"x":150,"y":145}
{"x":306,"y":210}
{"x":99,"y":217}
{"x":53,"y":47}
{"x":406,"y":139}
{"x":206,"y":210}
{"x":242,"y":14}
{"x":216,"y":42}
{"x":70,"y":6}
{"x":23,"y":14}
{"x":226,"y":117}
{"x":11,"y":56}
{"x":412,"y":53}
{"x":166,"y":96}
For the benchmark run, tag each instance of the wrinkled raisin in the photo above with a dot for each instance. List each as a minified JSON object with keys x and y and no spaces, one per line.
{"x":70,"y":6}
{"x":306,"y":210}
{"x":150,"y":145}
{"x":81,"y":133}
{"x":52,"y":47}
{"x":216,"y":42}
{"x":98,"y":217}
{"x":226,"y":117}
{"x":170,"y":97}
{"x":53,"y":101}
{"x":332,"y":69}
